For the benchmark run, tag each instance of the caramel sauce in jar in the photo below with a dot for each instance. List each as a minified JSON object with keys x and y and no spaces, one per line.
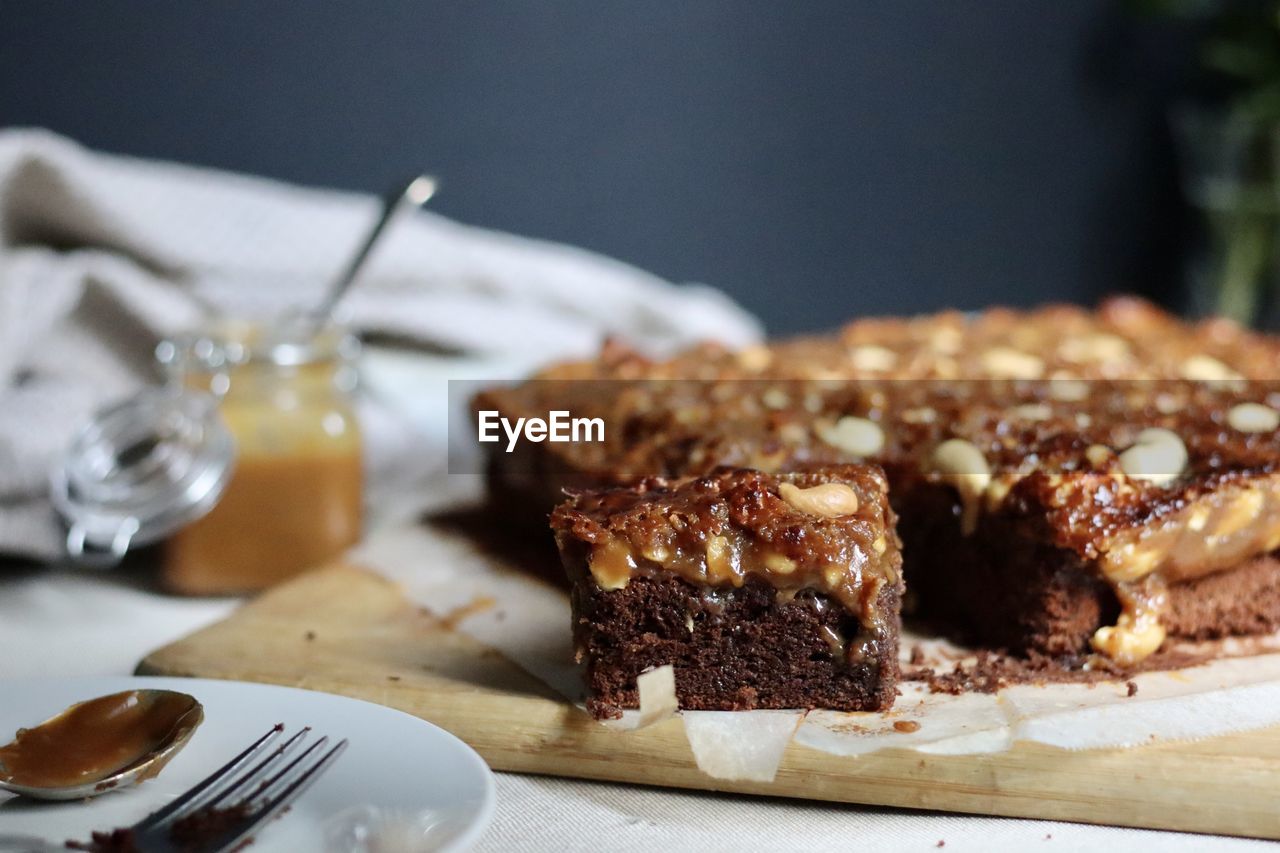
{"x":295,"y":497}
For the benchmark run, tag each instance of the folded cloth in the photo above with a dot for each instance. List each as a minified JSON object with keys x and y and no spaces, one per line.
{"x":103,"y":256}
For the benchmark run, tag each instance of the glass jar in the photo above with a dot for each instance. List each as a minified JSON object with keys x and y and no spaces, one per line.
{"x":295,"y":495}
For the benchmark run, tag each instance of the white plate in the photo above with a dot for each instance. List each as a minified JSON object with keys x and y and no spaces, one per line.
{"x":423,"y":788}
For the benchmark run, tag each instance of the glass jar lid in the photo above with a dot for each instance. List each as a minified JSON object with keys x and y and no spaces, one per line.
{"x":225,"y":343}
{"x":140,"y":470}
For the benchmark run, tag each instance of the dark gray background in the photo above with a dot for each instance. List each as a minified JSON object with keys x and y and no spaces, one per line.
{"x":815,"y":159}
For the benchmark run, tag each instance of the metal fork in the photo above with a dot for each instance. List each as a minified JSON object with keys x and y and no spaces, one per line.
{"x":228,"y":806}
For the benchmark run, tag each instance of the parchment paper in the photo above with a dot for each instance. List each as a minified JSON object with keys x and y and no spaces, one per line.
{"x":528,"y":621}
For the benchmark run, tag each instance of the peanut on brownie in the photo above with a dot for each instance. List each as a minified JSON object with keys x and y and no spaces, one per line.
{"x":762,"y":591}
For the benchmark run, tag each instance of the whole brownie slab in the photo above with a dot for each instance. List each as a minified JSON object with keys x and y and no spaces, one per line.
{"x":1087,"y":467}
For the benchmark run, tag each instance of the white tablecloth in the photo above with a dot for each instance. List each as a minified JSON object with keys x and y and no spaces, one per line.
{"x":78,"y":622}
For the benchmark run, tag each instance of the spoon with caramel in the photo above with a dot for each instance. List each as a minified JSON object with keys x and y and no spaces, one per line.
{"x":99,"y":745}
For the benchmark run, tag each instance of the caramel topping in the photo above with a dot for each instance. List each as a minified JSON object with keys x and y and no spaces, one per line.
{"x":829,"y":530}
{"x":1214,"y":532}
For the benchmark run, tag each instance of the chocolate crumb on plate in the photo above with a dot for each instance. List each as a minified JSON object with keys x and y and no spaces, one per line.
{"x":115,"y":841}
{"x":206,"y":825}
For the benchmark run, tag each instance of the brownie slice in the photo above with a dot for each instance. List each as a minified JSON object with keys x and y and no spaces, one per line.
{"x":761,"y":591}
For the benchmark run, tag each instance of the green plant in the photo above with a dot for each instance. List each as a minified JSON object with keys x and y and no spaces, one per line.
{"x":1237,"y":180}
{"x":1240,"y":47}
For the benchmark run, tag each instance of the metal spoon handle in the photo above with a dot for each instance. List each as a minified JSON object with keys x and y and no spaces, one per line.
{"x":396,"y":204}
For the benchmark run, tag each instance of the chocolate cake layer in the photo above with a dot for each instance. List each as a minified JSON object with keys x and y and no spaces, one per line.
{"x":733,"y":649}
{"x":1241,"y":601}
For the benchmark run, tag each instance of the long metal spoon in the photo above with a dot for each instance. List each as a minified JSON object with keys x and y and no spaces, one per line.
{"x":100,"y":745}
{"x":395,"y":205}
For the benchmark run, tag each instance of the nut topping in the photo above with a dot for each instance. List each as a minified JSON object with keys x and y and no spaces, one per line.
{"x":722,"y":562}
{"x":1158,"y":457}
{"x":612,"y":564}
{"x":1032,"y":412}
{"x":946,"y":339}
{"x":1068,"y":390}
{"x":920,"y":415}
{"x":1203,"y":368}
{"x":829,"y":500}
{"x":1094,"y":347}
{"x":1097,"y":454}
{"x":872,"y":358}
{"x":1253,"y":417}
{"x":857,"y":436}
{"x":1009,"y":363}
{"x":779,"y":564}
{"x":755,"y":358}
{"x":793,"y":433}
{"x":775,"y":398}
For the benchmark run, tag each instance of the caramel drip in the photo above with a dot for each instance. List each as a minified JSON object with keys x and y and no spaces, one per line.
{"x":1138,"y":632}
{"x":1214,"y":533}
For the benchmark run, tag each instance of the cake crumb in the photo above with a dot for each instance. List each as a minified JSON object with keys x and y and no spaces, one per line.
{"x":941,"y":843}
{"x":906,"y":726}
{"x":1131,"y":688}
{"x":393,"y":678}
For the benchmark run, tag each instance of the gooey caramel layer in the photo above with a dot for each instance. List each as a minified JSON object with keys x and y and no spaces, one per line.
{"x":720,"y":530}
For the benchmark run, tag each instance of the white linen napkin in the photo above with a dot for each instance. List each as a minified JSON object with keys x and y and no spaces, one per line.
{"x":102,"y":256}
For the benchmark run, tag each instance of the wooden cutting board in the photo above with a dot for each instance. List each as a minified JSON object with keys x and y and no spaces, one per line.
{"x":344,"y":630}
